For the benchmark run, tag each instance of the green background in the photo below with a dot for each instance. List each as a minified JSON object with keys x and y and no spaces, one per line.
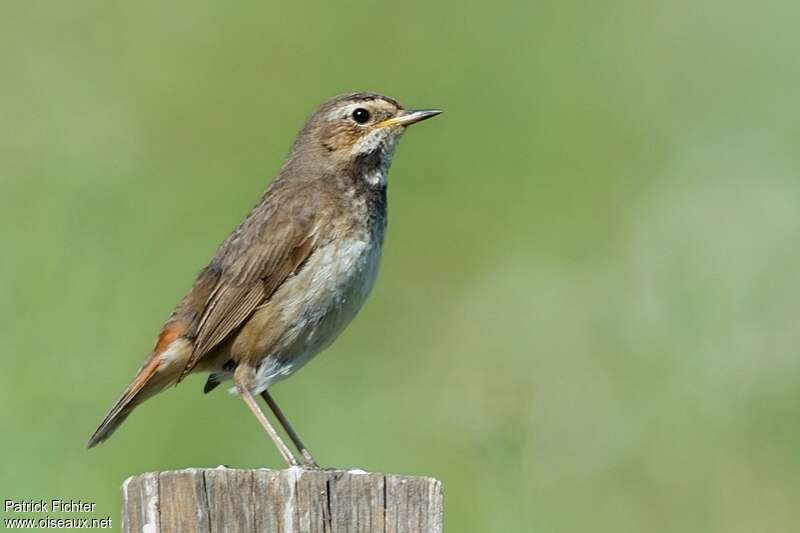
{"x":588,"y":313}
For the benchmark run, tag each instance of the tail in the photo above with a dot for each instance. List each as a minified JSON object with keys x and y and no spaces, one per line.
{"x":142,"y":387}
{"x":113,"y":419}
{"x":160,"y":370}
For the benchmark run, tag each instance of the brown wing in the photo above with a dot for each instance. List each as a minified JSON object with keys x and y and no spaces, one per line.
{"x":247,"y":269}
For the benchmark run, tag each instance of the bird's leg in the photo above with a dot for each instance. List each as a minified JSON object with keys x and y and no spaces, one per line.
{"x":308,"y":460}
{"x":244,"y":392}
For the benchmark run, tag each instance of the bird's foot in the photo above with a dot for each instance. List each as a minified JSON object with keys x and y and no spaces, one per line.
{"x":308,"y":462}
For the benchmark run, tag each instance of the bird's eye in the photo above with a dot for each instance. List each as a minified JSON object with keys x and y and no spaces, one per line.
{"x":361,"y":115}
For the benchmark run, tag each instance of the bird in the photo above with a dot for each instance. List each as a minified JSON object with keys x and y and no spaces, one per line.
{"x":293,"y":274}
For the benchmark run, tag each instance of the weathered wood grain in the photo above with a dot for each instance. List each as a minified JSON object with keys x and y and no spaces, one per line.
{"x":140,"y":497}
{"x":280,"y":501}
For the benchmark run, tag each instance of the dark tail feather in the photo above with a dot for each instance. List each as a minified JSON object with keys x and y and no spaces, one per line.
{"x":147,"y":382}
{"x":113,"y":419}
{"x":212,"y":383}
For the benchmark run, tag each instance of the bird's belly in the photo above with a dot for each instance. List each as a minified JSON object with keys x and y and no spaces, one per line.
{"x":319,"y":302}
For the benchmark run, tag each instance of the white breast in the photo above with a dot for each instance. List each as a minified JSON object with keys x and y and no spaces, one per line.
{"x":330,"y":289}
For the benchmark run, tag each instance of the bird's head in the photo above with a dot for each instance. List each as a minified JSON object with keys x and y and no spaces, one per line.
{"x":357,"y":134}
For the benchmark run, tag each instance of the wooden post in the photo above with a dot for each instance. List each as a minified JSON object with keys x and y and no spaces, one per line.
{"x":280,"y":501}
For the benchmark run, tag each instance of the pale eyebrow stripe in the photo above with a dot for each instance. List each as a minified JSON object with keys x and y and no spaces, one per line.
{"x":346,"y":111}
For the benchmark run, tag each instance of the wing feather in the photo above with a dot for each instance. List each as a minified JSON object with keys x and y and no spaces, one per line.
{"x":247,"y":269}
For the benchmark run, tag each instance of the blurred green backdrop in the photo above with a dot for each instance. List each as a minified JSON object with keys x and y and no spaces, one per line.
{"x":587,"y":316}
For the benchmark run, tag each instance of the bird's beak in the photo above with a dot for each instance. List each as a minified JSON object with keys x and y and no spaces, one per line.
{"x":408,"y":118}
